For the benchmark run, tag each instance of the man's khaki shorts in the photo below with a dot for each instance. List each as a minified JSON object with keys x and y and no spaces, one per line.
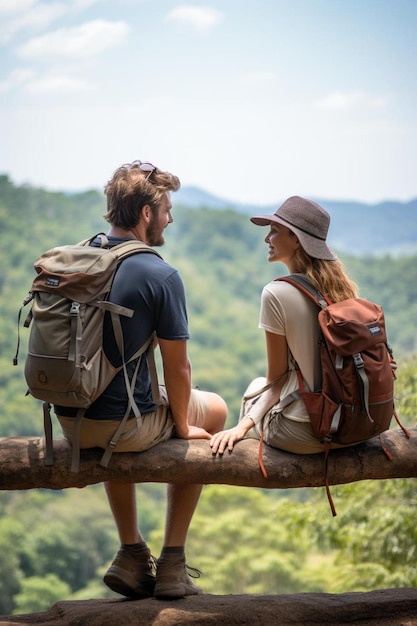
{"x":139,"y":435}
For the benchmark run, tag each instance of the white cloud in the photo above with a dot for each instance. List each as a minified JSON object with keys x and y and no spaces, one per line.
{"x":41,"y":15}
{"x":200,"y":18}
{"x":16,"y":78}
{"x":340,"y":101}
{"x":17,"y":8}
{"x":31,"y":15}
{"x":57,"y":85}
{"x":27,"y":14}
{"x":80,"y":42}
{"x":11,"y":7}
{"x":52,"y":83}
{"x":81,"y":5}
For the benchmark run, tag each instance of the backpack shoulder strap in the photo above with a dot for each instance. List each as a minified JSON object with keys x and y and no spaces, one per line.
{"x":127,"y":248}
{"x":122,"y":250}
{"x":303,"y":283}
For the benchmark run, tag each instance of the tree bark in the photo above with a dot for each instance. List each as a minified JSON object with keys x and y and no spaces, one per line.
{"x":179,"y":461}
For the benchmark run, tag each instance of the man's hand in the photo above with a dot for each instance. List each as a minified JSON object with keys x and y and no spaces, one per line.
{"x":192,"y":432}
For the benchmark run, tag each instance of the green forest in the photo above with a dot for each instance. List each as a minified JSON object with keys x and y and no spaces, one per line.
{"x":57,"y":545}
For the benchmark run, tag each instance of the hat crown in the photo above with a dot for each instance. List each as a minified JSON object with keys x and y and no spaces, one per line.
{"x":306,"y":216}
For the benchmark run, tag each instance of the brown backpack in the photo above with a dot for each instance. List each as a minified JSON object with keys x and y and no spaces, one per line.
{"x":356,"y":399}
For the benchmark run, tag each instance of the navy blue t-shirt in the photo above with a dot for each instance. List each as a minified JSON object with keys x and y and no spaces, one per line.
{"x":154,"y":290}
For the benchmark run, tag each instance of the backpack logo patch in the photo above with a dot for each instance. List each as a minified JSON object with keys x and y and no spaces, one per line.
{"x":42,"y":377}
{"x":374,"y":329}
{"x":52,"y":281}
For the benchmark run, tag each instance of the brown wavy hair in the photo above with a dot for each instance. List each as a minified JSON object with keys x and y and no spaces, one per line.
{"x":329,"y":277}
{"x":131,"y":188}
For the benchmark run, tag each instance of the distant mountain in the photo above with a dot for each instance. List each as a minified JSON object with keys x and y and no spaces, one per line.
{"x":356,"y":227}
{"x":196,"y":198}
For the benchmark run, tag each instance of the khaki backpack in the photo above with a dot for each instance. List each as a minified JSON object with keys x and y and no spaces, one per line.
{"x":66,"y":364}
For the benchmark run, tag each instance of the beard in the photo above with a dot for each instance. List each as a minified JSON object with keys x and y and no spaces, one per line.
{"x":154,"y":233}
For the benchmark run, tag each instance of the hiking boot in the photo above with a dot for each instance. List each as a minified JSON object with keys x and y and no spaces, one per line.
{"x":132,"y":574}
{"x":173,"y":580}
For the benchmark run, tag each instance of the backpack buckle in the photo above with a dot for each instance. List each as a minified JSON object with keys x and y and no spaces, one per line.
{"x":358,"y":360}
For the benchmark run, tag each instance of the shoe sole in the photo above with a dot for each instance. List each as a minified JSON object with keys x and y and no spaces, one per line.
{"x":175,"y":591}
{"x":119,"y":581}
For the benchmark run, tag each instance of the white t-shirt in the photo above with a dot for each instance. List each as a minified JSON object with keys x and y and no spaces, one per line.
{"x":286,"y":311}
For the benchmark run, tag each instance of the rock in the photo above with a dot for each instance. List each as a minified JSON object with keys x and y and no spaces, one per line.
{"x":387,"y":607}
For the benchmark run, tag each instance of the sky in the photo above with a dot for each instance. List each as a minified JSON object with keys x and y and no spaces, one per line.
{"x":250,"y":100}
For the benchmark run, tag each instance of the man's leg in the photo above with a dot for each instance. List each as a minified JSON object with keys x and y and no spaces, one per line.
{"x":122,"y":501}
{"x":132,"y":572}
{"x":182,"y":502}
{"x":172,"y":578}
{"x":209,"y":411}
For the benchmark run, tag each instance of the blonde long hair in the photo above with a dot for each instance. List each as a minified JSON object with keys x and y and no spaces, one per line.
{"x":329,"y":277}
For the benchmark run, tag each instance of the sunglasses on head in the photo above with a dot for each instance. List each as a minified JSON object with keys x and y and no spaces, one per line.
{"x":147,"y":167}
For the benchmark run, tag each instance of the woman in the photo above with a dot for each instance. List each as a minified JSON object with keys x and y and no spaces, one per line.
{"x":297,"y":238}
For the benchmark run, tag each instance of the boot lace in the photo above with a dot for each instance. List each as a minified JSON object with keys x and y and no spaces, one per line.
{"x":193,"y":572}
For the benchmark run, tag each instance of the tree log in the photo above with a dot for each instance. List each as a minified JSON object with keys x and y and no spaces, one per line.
{"x":179,"y":461}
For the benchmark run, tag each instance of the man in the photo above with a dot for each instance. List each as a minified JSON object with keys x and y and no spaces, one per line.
{"x":139,"y":207}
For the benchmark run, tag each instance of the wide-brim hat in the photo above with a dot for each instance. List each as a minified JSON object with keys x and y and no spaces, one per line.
{"x":308,"y":220}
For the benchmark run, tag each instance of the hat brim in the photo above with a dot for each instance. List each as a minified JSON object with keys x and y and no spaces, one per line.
{"x":314,"y":247}
{"x":264,"y":220}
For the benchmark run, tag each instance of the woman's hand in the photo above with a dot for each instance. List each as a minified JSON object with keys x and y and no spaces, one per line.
{"x":227,"y":438}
